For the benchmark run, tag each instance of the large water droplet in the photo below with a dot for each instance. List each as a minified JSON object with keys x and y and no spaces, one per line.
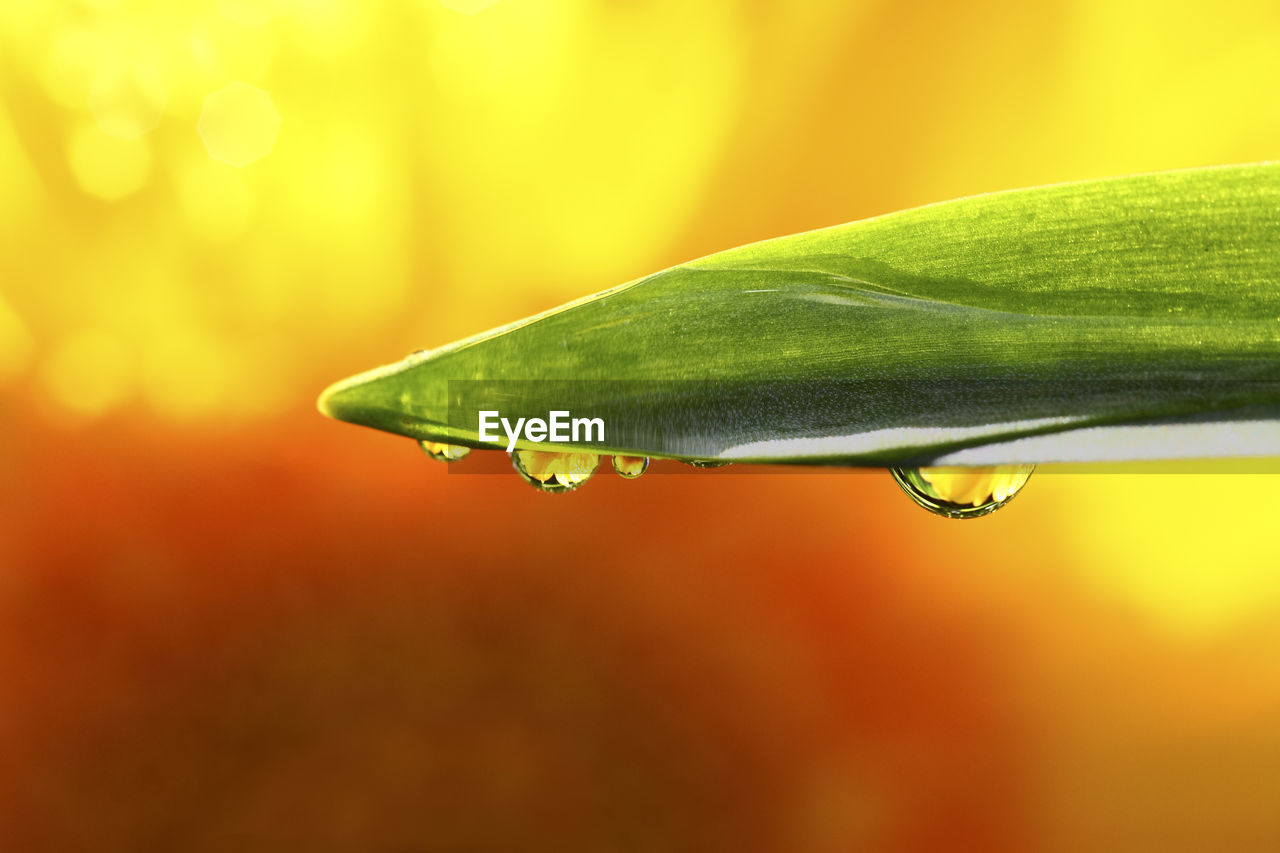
{"x":554,"y":472}
{"x":442,"y":452}
{"x":962,"y":492}
{"x":630,"y":466}
{"x":706,"y":463}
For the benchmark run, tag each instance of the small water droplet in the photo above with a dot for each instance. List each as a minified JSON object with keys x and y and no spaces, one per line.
{"x":554,"y":472}
{"x":962,"y":492}
{"x":706,"y":463}
{"x":442,"y":452}
{"x":630,"y":466}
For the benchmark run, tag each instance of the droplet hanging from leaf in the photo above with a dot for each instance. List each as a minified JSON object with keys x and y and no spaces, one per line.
{"x":956,"y":492}
{"x":553,"y":472}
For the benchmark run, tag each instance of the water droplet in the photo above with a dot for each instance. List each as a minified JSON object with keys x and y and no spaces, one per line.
{"x":554,"y":472}
{"x":962,"y":492}
{"x":706,"y":463}
{"x":630,"y":466}
{"x":442,"y":452}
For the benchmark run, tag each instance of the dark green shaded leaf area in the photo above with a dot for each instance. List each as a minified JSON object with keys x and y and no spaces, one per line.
{"x":1076,"y":311}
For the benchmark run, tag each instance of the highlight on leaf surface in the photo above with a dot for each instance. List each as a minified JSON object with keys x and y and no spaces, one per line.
{"x":1115,"y":319}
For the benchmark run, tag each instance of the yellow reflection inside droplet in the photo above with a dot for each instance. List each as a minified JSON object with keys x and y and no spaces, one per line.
{"x":552,"y":468}
{"x":107,"y":166}
{"x":88,"y":373}
{"x":443,"y":452}
{"x":976,"y":486}
{"x":630,"y":466}
{"x":239,"y":124}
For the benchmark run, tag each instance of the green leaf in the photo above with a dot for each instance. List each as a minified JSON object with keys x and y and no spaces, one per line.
{"x":1134,"y":317}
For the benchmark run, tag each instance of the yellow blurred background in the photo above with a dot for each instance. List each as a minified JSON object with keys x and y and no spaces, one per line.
{"x":228,"y":623}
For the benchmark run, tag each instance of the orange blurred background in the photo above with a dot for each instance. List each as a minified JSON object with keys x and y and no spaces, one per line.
{"x":227,"y":623}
